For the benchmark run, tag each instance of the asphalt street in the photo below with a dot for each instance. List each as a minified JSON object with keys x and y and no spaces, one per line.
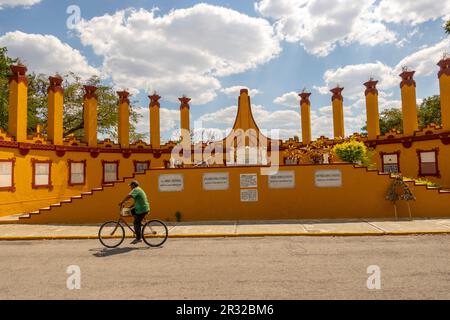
{"x":410,"y":267}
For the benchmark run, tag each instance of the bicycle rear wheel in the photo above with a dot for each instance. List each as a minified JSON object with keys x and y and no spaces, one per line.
{"x":111,"y":234}
{"x":155,"y":233}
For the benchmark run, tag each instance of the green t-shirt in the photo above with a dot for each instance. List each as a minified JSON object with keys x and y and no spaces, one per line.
{"x":140,"y":200}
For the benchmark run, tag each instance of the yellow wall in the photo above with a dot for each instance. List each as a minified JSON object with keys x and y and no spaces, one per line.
{"x":55,"y":117}
{"x":155,"y":139}
{"x":361,"y":196}
{"x":409,"y":160}
{"x":124,"y":124}
{"x":90,"y":121}
{"x":26,"y":199}
{"x":373,"y":118}
{"x":338,"y":118}
{"x":409,"y":109}
{"x":444,"y":81}
{"x":306,"y":122}
{"x":17,"y":121}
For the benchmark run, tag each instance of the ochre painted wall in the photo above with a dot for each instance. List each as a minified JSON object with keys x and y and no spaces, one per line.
{"x":409,"y":160}
{"x":362,"y":195}
{"x":25,"y":198}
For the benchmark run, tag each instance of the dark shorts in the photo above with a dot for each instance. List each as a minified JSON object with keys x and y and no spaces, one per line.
{"x":133,"y":212}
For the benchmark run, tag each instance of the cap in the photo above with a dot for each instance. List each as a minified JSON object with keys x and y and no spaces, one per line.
{"x":134,"y":183}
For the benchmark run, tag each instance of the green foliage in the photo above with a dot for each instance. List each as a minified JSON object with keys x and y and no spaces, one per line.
{"x":352,"y":151}
{"x":447,"y":27}
{"x":5,"y":62}
{"x":389,"y":119}
{"x":107,"y":118}
{"x":430,"y":111}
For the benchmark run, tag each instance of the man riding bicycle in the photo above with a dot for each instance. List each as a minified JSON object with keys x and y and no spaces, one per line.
{"x":140,"y":210}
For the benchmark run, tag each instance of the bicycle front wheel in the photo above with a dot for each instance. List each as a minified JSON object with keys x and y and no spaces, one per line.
{"x":111,"y":234}
{"x":155,"y":233}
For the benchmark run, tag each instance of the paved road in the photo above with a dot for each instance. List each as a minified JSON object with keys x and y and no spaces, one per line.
{"x":230,"y":268}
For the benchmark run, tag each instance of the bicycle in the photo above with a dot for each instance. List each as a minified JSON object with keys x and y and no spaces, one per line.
{"x":112,"y":233}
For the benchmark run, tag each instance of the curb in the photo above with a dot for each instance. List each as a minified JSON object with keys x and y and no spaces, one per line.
{"x":240,"y":235}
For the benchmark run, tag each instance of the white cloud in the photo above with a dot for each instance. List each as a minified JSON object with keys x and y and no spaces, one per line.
{"x":424,"y":61}
{"x":17,"y":3}
{"x":182,"y":52}
{"x":413,"y":12}
{"x":234,"y":91}
{"x":352,"y":78}
{"x":169,"y":122}
{"x":287,"y":122}
{"x":319,"y":25}
{"x":46,"y":54}
{"x":289,"y":99}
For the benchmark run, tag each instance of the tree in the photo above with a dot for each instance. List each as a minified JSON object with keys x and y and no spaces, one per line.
{"x":447,"y":27}
{"x":389,"y":119}
{"x":5,"y":62}
{"x":430,"y":111}
{"x":73,"y":103}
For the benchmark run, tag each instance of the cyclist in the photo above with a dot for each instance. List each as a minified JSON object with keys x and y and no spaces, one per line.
{"x":140,"y":210}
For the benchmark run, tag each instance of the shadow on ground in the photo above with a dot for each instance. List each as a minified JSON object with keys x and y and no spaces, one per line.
{"x":105,"y":252}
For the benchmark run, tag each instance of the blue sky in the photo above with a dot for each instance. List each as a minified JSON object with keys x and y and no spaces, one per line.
{"x":209,"y":50}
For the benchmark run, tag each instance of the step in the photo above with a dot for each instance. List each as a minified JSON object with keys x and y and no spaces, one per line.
{"x":14,"y":217}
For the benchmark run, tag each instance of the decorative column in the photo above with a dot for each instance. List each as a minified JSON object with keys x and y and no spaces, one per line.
{"x":154,"y":121}
{"x":409,"y":102}
{"x":305,"y":111}
{"x":444,"y":84}
{"x":184,"y":120}
{"x":55,"y":98}
{"x":338,"y":112}
{"x":373,"y":117}
{"x":17,"y":112}
{"x":90,"y":116}
{"x":124,"y":119}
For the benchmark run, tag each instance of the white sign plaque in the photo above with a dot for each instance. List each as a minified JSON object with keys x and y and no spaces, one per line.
{"x":249,"y":180}
{"x":216,"y":181}
{"x":249,"y":195}
{"x":170,"y":182}
{"x":282,"y":180}
{"x":328,"y":178}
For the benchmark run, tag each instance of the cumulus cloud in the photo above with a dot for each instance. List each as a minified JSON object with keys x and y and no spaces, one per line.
{"x":285,"y":122}
{"x":17,"y":3}
{"x":424,"y":61}
{"x":352,"y":77}
{"x":413,"y":12}
{"x":234,"y":91}
{"x":169,"y":122}
{"x":185,"y":51}
{"x":46,"y":54}
{"x":319,"y":25}
{"x":289,"y":99}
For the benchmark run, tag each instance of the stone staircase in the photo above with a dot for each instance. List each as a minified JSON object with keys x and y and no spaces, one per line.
{"x":24,"y":217}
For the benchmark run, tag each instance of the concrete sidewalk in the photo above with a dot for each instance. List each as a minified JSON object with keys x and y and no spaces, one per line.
{"x":348,"y":227}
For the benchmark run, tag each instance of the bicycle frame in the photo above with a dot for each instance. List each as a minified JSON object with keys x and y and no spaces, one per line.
{"x":121,"y":220}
